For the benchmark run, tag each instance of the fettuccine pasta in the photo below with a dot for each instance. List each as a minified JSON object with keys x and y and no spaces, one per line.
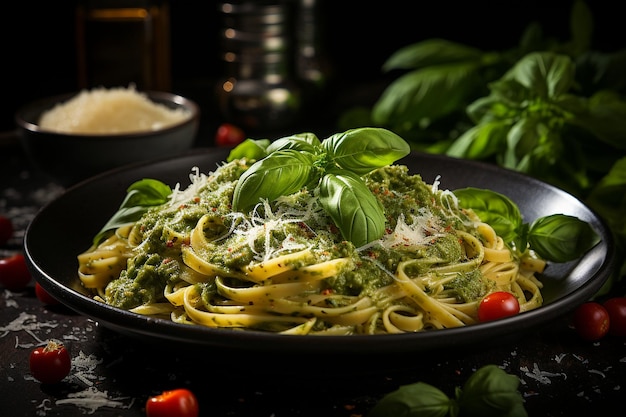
{"x":283,"y":267}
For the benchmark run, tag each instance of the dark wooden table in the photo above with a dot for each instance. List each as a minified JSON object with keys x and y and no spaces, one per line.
{"x":560,"y":374}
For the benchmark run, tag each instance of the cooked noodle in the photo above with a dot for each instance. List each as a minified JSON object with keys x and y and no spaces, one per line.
{"x":283,"y":267}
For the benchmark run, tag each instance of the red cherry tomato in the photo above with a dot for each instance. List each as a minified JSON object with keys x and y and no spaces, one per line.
{"x":180,"y":402}
{"x":44,"y":296}
{"x":497,"y":305}
{"x":591,"y":321}
{"x":616,"y":307}
{"x":6,"y":230}
{"x":229,"y":135}
{"x":14,"y":274}
{"x":51,"y":363}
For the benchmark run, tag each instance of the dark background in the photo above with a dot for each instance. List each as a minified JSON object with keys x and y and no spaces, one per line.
{"x":39,"y":58}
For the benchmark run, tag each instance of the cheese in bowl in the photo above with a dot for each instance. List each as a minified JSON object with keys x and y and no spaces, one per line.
{"x":74,"y":136}
{"x":110,"y":111}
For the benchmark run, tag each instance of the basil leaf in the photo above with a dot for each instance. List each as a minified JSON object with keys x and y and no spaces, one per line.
{"x":525,"y":142}
{"x":140,"y":197}
{"x":249,"y":148}
{"x":431,"y":52}
{"x":301,"y":142}
{"x":514,"y":95}
{"x":355,"y":210}
{"x":147,"y":192}
{"x":546,"y":74}
{"x":605,"y":118}
{"x":493,"y":208}
{"x":561,"y":238}
{"x":427,"y":94}
{"x":419,"y":399}
{"x":480,"y":141}
{"x":280,"y":173}
{"x":490,"y":391}
{"x":364,"y":149}
{"x":490,"y":108}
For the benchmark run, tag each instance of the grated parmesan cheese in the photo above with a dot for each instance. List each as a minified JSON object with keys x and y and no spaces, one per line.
{"x":117,"y":110}
{"x":423,"y":228}
{"x":90,"y":400}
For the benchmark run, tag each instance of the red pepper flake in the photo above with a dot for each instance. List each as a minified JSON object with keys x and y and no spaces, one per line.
{"x":327,"y":291}
{"x":196,"y":199}
{"x":213,"y":209}
{"x":167,"y":260}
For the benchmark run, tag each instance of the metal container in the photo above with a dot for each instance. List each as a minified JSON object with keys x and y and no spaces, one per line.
{"x":259,"y":90}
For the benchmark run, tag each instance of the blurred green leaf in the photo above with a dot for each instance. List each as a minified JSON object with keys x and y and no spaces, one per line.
{"x":424,"y":95}
{"x":431,"y":52}
{"x":481,"y":141}
{"x":546,"y":74}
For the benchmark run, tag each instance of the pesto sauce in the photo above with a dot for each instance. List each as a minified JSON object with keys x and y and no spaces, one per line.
{"x":142,"y":282}
{"x":389,"y":182}
{"x":157,"y":260}
{"x":469,"y":286}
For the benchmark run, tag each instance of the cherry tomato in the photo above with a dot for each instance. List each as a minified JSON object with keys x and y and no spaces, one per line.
{"x":51,"y":363}
{"x":616,"y":307}
{"x":229,"y":135}
{"x":6,"y":230}
{"x":14,"y":274}
{"x":179,"y":402}
{"x":44,"y":296}
{"x":497,"y":305}
{"x":591,"y":321}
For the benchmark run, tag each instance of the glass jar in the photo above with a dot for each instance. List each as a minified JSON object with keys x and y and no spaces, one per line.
{"x":123,"y":42}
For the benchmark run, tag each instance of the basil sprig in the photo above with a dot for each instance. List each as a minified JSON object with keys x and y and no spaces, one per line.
{"x":140,"y":197}
{"x":489,"y":391}
{"x":336,"y":165}
{"x":557,"y":238}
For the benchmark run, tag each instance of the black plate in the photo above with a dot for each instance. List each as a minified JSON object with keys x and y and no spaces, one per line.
{"x":65,"y":227}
